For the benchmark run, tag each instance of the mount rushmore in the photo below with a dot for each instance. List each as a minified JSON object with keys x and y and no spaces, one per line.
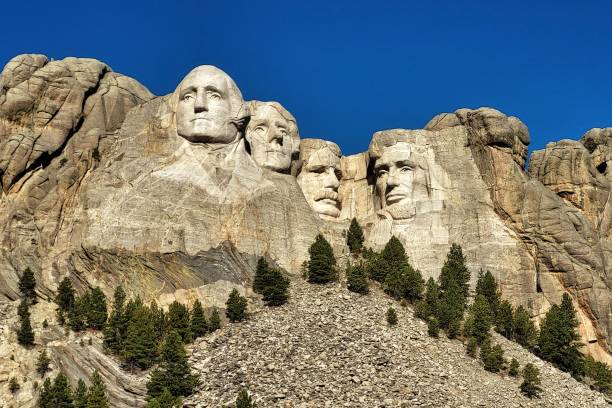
{"x":177,"y":196}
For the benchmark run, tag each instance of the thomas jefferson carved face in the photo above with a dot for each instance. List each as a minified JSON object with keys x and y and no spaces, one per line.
{"x":319,"y":179}
{"x":208,"y":103}
{"x":273,"y":136}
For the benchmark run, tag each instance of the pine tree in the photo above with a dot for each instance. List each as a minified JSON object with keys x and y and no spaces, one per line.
{"x":428,"y":306}
{"x":401,"y":280}
{"x":492,"y":356}
{"x":77,"y":315}
{"x":478,"y":322}
{"x":27,"y":285}
{"x":140,"y":345}
{"x":599,"y":375}
{"x":391,"y":317}
{"x":42,"y":364}
{"x":356,"y":279}
{"x":433,"y":327}
{"x":531,"y":381}
{"x":95,"y":310}
{"x":174,"y":372}
{"x":116,"y":327}
{"x":158,"y":317}
{"x":80,"y":395}
{"x":44,"y":397}
{"x":454,"y":271}
{"x":354,"y":237}
{"x":178,"y":319}
{"x":199,"y":327}
{"x":214,"y":323}
{"x":558,"y":342}
{"x":262,"y":278}
{"x":523,"y":329}
{"x":454,"y":285}
{"x":451,"y":306}
{"x":375,"y":265}
{"x":244,"y":400}
{"x":57,"y":395}
{"x":236,"y":307}
{"x":504,"y":320}
{"x":514,"y":368}
{"x":165,"y":400}
{"x":487,"y":287}
{"x":321,"y":266}
{"x":96,"y":397}
{"x":472,"y":347}
{"x":25,"y":334}
{"x":65,"y":295}
{"x":276,"y":292}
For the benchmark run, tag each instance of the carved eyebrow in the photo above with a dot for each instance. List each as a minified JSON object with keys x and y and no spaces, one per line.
{"x":214,"y":88}
{"x":280,"y":124}
{"x":379,"y":166}
{"x":191,"y":88}
{"x":405,"y":162}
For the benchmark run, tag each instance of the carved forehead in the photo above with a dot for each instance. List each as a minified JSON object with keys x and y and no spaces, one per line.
{"x":317,"y":152}
{"x":400,"y":152}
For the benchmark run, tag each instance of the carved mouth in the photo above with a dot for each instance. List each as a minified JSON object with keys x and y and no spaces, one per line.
{"x":328,"y":196}
{"x":395,"y":197}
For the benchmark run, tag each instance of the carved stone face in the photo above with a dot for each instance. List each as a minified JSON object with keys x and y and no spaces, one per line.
{"x":319,"y":179}
{"x":207,"y":105}
{"x":273,"y":136}
{"x":395,"y":175}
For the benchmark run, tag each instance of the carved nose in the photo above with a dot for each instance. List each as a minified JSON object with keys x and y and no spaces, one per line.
{"x":201,"y":104}
{"x":392,"y":180}
{"x":275,"y":137}
{"x":331,"y":181}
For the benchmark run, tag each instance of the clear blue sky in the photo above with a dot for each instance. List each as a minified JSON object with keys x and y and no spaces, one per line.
{"x":348,"y":68}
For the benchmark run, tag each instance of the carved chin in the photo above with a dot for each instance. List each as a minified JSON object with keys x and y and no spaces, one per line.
{"x":207,"y":131}
{"x":400,"y":211}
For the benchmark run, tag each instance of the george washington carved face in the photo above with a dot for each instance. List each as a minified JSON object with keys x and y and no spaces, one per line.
{"x":207,"y":106}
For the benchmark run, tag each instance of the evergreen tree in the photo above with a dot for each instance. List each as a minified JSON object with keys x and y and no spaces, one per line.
{"x":174,"y":372}
{"x":531,"y":381}
{"x":236,"y":307}
{"x":44,"y":397}
{"x":165,"y":400}
{"x":140,"y":346}
{"x":244,"y":400}
{"x":25,"y":334}
{"x":77,"y":315}
{"x":96,"y":397}
{"x":514,"y":368}
{"x":57,"y":395}
{"x":276,"y":292}
{"x":433,"y":327}
{"x":599,"y":374}
{"x":214,"y":321}
{"x":354,"y":237}
{"x":487,"y":287}
{"x":478,"y":322}
{"x":471,"y":347}
{"x":523,"y":329}
{"x":321,"y":266}
{"x":178,"y":319}
{"x":115,"y":331}
{"x":375,"y":265}
{"x":492,"y":356}
{"x":428,"y":306}
{"x":119,"y":299}
{"x":401,"y":280}
{"x":14,"y":385}
{"x":356,"y":279}
{"x":23,"y":310}
{"x":27,"y":285}
{"x":80,"y":395}
{"x":504,"y":320}
{"x":95,"y":309}
{"x":65,"y":295}
{"x":158,"y":317}
{"x":454,"y":271}
{"x":262,"y":276}
{"x":450,"y":306}
{"x":199,"y":327}
{"x":454,"y":329}
{"x":558,"y":340}
{"x":42,"y":364}
{"x":454,"y":285}
{"x":391,"y":317}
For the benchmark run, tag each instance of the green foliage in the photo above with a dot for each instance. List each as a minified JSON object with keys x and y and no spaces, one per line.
{"x":244,"y":400}
{"x":199,"y":326}
{"x":65,"y":295}
{"x":472,"y":347}
{"x":491,"y":356}
{"x":96,"y":309}
{"x":42,"y":364}
{"x":598,"y":374}
{"x":321,"y":266}
{"x":454,"y":272}
{"x":453,"y":285}
{"x":140,"y":344}
{"x":487,"y":287}
{"x":451,"y":306}
{"x":236,"y":307}
{"x":14,"y":385}
{"x":514,"y":368}
{"x":27,"y":285}
{"x":433,"y":327}
{"x":80,"y":395}
{"x":174,"y":372}
{"x":400,"y":280}
{"x":454,"y":329}
{"x":354,"y":237}
{"x":375,"y":265}
{"x":165,"y":400}
{"x":214,"y":323}
{"x":25,"y":334}
{"x":428,"y":306}
{"x":277,"y":293}
{"x":478,"y":322}
{"x":558,"y":340}
{"x":178,"y":319}
{"x":523,"y":329}
{"x":77,"y":316}
{"x":115,"y":331}
{"x":57,"y":395}
{"x":531,"y":381}
{"x":504,"y":320}
{"x":96,"y":397}
{"x":262,"y":276}
{"x":357,"y":279}
{"x":391,"y":317}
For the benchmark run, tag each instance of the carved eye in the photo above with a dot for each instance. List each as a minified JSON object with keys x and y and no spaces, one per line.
{"x":382,"y":172}
{"x":260,"y":130}
{"x":215,"y":96}
{"x":406,"y":169}
{"x":187,"y":97}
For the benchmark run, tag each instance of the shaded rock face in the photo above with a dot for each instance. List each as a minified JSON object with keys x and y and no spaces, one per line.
{"x":177,"y":196}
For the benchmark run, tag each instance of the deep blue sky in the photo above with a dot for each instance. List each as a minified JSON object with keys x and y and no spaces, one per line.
{"x":348,"y":68}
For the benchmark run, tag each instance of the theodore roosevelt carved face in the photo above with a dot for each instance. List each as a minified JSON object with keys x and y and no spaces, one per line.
{"x":207,"y":106}
{"x":272,"y":134}
{"x":320,"y":175}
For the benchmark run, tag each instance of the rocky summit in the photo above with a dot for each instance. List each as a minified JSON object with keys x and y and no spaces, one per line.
{"x":176,"y":197}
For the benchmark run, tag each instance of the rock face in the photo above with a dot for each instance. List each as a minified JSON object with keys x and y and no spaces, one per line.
{"x":177,"y":196}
